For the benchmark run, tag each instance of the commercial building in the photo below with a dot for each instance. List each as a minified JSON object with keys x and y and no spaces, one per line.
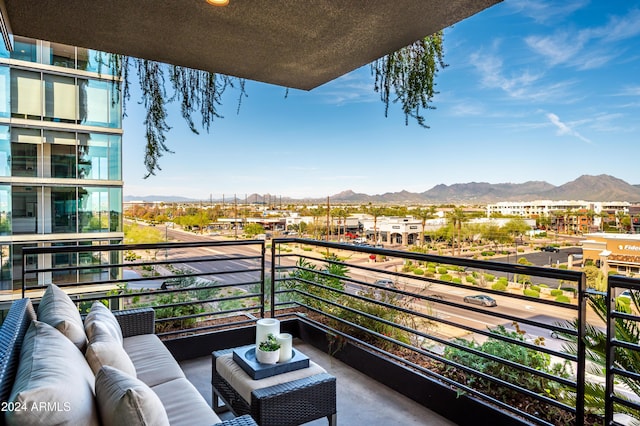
{"x":613,"y":252}
{"x":60,"y":155}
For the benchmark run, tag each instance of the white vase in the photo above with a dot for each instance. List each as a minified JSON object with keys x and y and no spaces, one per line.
{"x":267,"y":357}
{"x":265,"y":327}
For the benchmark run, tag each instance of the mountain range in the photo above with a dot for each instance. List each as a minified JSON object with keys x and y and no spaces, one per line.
{"x":586,"y":187}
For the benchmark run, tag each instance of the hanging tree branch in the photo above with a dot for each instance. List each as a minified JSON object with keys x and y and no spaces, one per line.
{"x":410,"y":74}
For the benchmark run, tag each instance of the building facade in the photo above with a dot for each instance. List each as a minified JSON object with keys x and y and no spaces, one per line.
{"x":613,"y":252}
{"x":60,"y":155}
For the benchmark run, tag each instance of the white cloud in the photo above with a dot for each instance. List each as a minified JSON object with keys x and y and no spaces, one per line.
{"x":546,"y":11}
{"x":587,"y":48}
{"x":354,"y":87}
{"x":565,"y":129}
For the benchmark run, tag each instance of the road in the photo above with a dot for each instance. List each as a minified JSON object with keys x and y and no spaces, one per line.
{"x":481,"y":319}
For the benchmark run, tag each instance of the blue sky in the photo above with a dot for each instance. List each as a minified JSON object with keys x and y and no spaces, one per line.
{"x":535,"y":90}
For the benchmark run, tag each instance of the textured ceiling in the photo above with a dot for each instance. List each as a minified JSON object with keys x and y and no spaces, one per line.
{"x":294,"y":43}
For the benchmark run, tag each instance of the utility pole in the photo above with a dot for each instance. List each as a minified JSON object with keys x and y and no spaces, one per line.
{"x":328,"y":218}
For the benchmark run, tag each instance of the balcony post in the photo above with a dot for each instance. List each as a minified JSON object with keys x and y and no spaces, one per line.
{"x":582,"y":349}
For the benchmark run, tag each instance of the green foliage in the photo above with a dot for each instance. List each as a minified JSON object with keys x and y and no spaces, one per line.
{"x":531,"y":293}
{"x":446,"y":277}
{"x":524,"y":261}
{"x":269,"y":345}
{"x":562,"y":299}
{"x":253,"y":229}
{"x":456,"y":280}
{"x":503,"y":280}
{"x":488,"y":253}
{"x":499,"y":286}
{"x":418,"y":271}
{"x":556,"y":292}
{"x":512,"y":352}
{"x":442,"y":270}
{"x":408,"y":75}
{"x":470,"y":279}
{"x":489,"y":277}
{"x":535,"y":288}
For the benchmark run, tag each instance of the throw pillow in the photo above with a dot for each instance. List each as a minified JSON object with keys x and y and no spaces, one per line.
{"x":58,"y":310}
{"x":102,"y":315}
{"x":125,"y":400}
{"x":53,"y":384}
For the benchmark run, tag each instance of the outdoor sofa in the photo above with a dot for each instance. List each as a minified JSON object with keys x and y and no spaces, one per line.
{"x":109,"y":369}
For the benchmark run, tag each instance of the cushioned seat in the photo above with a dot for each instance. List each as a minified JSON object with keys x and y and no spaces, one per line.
{"x":182,"y":409}
{"x":153,"y":361}
{"x":244,"y":384}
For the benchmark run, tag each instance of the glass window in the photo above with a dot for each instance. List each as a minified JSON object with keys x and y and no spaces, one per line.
{"x":115,"y":157}
{"x":32,"y":263}
{"x":5,"y":267}
{"x":5,"y":151}
{"x":93,"y":156}
{"x":62,"y":153}
{"x":99,"y":103}
{"x":25,"y":49}
{"x":96,"y":61}
{"x":5,"y":210}
{"x":93,"y":209}
{"x":115,"y":208}
{"x":5,"y":92}
{"x":26,"y":94}
{"x":59,"y":55}
{"x":60,"y":98}
{"x":64,"y":260}
{"x":24,"y":151}
{"x":64,"y":210}
{"x":24,"y":210}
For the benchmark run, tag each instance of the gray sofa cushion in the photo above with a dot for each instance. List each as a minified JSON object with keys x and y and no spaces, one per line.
{"x":125,"y":400}
{"x":184,"y":405}
{"x":153,"y":362}
{"x":58,"y":310}
{"x":52,"y":372}
{"x":101,"y":320}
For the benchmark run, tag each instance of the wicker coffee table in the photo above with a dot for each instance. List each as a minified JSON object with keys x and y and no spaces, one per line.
{"x":287,"y":399}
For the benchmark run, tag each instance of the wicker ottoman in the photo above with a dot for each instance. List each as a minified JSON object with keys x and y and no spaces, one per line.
{"x":286,"y":399}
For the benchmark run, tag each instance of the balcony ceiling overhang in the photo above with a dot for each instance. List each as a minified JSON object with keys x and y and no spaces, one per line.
{"x":292,"y":43}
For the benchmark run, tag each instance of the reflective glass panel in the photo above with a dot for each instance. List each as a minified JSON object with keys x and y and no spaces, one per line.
{"x":5,"y":151}
{"x":60,"y":98}
{"x":99,"y":103}
{"x":26,"y":94}
{"x":93,"y":209}
{"x":5,"y":210}
{"x":64,"y":209}
{"x":5,"y":92}
{"x":24,"y":210}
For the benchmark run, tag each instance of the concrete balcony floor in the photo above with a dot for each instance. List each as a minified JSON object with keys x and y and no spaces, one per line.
{"x":361,"y":400}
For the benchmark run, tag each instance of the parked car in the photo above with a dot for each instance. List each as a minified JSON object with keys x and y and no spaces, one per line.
{"x":385,"y":283}
{"x":551,"y":249}
{"x":481,"y":299}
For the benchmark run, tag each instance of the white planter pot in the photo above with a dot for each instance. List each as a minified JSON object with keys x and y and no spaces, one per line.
{"x":265,"y":357}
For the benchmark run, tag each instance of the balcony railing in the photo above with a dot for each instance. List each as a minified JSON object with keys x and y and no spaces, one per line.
{"x":527,"y":356}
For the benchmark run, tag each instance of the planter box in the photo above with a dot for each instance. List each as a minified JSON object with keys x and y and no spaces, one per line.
{"x":459,"y":408}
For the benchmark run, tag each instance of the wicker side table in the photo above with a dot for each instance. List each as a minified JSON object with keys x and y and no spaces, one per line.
{"x":286,"y":403}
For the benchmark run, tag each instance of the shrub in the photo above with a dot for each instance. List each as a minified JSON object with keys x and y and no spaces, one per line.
{"x":470,"y":279}
{"x":503,"y":280}
{"x":499,"y":286}
{"x":446,"y":277}
{"x":429,"y":273}
{"x":442,"y":270}
{"x":563,"y":299}
{"x":488,"y":253}
{"x":571,"y":289}
{"x":531,"y":293}
{"x":542,"y":285}
{"x":557,"y":292}
{"x":418,"y":271}
{"x":535,"y":288}
{"x":489,"y":277}
{"x":563,"y":266}
{"x":456,"y":280}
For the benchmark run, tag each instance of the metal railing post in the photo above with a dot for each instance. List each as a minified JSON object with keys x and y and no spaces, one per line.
{"x":273,"y":278}
{"x":582,"y":349}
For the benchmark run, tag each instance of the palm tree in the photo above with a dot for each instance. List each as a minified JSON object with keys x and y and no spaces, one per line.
{"x":423,"y":215}
{"x":456,"y":217}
